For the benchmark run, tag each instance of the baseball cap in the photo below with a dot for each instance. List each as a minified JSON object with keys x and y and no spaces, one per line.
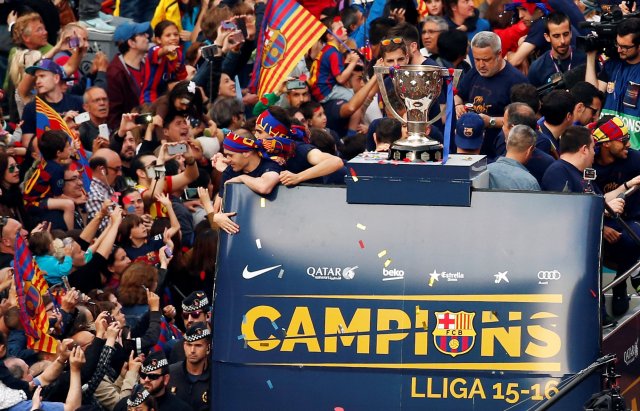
{"x":469,"y":131}
{"x":48,"y":65}
{"x":126,"y":31}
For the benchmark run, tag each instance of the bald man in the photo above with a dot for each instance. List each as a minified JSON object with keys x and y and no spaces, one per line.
{"x":106,"y":166}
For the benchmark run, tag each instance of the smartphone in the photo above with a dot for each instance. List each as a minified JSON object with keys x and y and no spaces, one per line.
{"x":241,"y":22}
{"x":209,"y":52}
{"x":177,"y":149}
{"x":236,"y":38}
{"x":74,"y":42}
{"x":144,"y":118}
{"x":168,"y":252}
{"x":144,"y":287}
{"x":190,"y":193}
{"x":110,"y":318}
{"x":194,"y":122}
{"x":65,"y":281}
{"x":229,"y":25}
{"x":296,"y":85}
{"x":45,"y":225}
{"x":81,"y":118}
{"x":103,"y":131}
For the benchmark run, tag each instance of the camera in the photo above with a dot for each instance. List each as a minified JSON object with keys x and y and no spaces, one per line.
{"x":209,"y":52}
{"x":603,"y":37}
{"x":296,"y":85}
{"x":144,"y":119}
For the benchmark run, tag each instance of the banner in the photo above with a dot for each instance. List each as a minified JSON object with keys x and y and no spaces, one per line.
{"x":323,"y":304}
{"x":288,"y":31}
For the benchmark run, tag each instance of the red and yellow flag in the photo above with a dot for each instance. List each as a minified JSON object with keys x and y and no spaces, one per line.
{"x":288,"y":31}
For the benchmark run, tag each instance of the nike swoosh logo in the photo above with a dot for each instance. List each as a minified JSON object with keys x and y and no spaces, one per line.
{"x":247,"y":275}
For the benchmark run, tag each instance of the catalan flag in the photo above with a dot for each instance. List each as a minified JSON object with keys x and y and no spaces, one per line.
{"x":30,"y":287}
{"x":421,"y":6}
{"x":49,"y":119}
{"x":288,"y":31}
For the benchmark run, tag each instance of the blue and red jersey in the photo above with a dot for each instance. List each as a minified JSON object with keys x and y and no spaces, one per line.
{"x":46,"y":181}
{"x":159,"y":71}
{"x":324,"y":70}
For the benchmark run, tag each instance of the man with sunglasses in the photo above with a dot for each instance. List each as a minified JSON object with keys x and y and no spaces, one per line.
{"x":195,"y":308}
{"x":620,"y":78}
{"x":616,"y":163}
{"x":154,"y":376}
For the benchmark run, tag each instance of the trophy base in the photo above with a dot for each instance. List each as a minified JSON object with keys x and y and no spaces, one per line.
{"x":422,"y":151}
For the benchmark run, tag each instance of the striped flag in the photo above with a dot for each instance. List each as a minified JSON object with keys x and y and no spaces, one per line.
{"x":30,"y":287}
{"x":421,"y":6}
{"x":288,"y":31}
{"x":49,"y":119}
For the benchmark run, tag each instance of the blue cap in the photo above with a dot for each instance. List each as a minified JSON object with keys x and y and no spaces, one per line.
{"x":127,"y":31}
{"x":469,"y":131}
{"x":48,"y":65}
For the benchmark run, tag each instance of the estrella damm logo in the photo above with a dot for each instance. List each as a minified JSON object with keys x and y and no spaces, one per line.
{"x":274,"y":47}
{"x":454,"y":333}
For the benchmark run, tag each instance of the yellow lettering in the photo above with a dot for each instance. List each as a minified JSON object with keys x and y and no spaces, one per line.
{"x":334,"y":323}
{"x":421,"y":337}
{"x":414,"y":393}
{"x":459,"y":393}
{"x":477,"y":389}
{"x":385,"y":317}
{"x":430,"y":393}
{"x":508,"y":339}
{"x":551,"y":340}
{"x":248,"y":328}
{"x":301,"y":321}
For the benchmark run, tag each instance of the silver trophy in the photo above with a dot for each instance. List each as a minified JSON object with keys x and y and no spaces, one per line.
{"x":418,"y":87}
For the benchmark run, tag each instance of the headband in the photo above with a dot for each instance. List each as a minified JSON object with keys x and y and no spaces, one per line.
{"x":235,"y":143}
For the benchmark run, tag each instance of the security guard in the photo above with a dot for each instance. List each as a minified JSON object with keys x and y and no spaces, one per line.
{"x":190,"y":378}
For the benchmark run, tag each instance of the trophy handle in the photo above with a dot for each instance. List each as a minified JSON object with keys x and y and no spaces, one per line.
{"x":380,"y":71}
{"x":456,"y":78}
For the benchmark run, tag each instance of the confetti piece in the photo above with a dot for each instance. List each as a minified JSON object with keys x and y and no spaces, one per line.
{"x":353,"y":175}
{"x":244,"y":319}
{"x":264,"y":344}
{"x":338,"y":409}
{"x":263,"y":202}
{"x":361,"y":226}
{"x":386,"y":263}
{"x":593,"y":293}
{"x":424,"y":325}
{"x":258,"y":243}
{"x":382,"y":253}
{"x":245,"y":344}
{"x":269,"y":384}
{"x":281,"y":273}
{"x":274,"y":325}
{"x":361,"y":243}
{"x":241,"y":337}
{"x":340,"y":329}
{"x":417,"y":309}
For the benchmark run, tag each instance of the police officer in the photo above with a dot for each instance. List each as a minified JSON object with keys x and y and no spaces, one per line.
{"x":154,"y":376}
{"x":190,"y":378}
{"x":195,"y":308}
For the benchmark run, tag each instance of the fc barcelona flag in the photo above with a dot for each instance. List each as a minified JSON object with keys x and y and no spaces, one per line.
{"x":30,"y":287}
{"x":288,"y":31}
{"x":49,"y":119}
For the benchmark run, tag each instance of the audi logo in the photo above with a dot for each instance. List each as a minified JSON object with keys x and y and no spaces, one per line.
{"x":549,"y":275}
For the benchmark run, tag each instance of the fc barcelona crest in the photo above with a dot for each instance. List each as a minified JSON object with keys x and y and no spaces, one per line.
{"x":454,"y":333}
{"x":275,"y":44}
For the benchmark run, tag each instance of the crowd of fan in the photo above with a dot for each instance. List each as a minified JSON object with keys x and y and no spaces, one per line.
{"x":165,"y":123}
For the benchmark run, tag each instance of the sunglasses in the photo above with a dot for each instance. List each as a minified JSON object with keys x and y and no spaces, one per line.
{"x":396,"y":40}
{"x":194,"y":314}
{"x":151,"y":377}
{"x":13,"y":167}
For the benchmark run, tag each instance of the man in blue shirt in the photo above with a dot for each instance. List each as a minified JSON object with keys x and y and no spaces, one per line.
{"x":562,"y":57}
{"x":509,"y":172}
{"x":487,"y":87}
